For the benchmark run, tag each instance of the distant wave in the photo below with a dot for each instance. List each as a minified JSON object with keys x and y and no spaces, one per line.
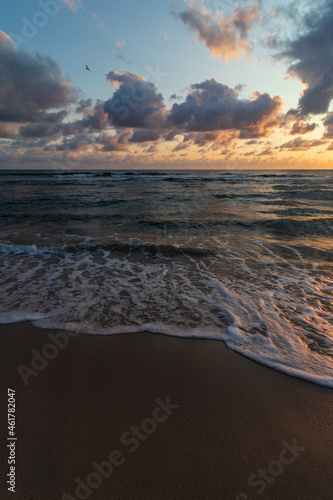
{"x":123,"y":247}
{"x":169,"y":176}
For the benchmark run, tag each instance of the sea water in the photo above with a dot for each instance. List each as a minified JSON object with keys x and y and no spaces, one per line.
{"x":245,"y":257}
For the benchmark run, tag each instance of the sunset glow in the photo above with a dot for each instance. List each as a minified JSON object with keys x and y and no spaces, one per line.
{"x":195,"y":84}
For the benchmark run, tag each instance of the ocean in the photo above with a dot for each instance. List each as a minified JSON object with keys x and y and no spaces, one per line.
{"x":244,"y":257}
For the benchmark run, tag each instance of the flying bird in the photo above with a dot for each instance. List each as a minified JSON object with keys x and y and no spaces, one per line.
{"x":87,"y":68}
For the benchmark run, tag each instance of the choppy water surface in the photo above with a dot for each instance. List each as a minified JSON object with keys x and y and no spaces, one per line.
{"x":244,"y":257}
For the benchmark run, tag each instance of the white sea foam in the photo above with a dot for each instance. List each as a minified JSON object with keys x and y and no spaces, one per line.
{"x":265,"y":308}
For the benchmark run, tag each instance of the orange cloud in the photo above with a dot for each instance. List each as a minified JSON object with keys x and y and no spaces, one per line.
{"x":74,"y":5}
{"x":225,"y":37}
{"x":302,"y":128}
{"x":120,"y":44}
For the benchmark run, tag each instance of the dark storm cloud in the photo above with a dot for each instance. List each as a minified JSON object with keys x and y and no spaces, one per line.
{"x":136,"y":103}
{"x":39,"y":130}
{"x":30,"y":84}
{"x":97,"y":118}
{"x":51,"y":124}
{"x":311,"y":59}
{"x":212,"y":106}
{"x":328,"y":123}
{"x":175,"y":97}
{"x":83,"y":105}
{"x":144,"y":136}
{"x":201,"y":138}
{"x":209,"y":106}
{"x":47,"y":125}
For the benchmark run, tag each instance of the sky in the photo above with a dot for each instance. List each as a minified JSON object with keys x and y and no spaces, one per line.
{"x":182,"y":84}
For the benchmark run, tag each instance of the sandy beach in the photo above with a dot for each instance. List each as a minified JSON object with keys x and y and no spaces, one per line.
{"x":161,"y":418}
{"x":166,"y":250}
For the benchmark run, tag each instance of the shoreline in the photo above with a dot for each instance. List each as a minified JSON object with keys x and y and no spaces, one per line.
{"x":235,"y":419}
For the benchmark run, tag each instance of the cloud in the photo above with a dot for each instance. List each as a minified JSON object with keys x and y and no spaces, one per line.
{"x":328,"y":123}
{"x":225,"y":37}
{"x":175,"y":97}
{"x":30,"y":85}
{"x":152,"y":149}
{"x":8,"y":130}
{"x":165,"y":35}
{"x":36,"y":130}
{"x":180,"y":146}
{"x":302,"y":128}
{"x":170,"y":136}
{"x":95,"y":118}
{"x":201,"y":138}
{"x":98,"y":22}
{"x":121,"y":43}
{"x":116,"y":79}
{"x":105,"y":142}
{"x":84,"y":104}
{"x":120,"y":56}
{"x":215,"y":140}
{"x":300,"y":144}
{"x":311,"y":59}
{"x":144,"y":136}
{"x":114,"y":142}
{"x":35,"y":98}
{"x":74,"y":5}
{"x":212,"y":106}
{"x":78,"y":142}
{"x":136,"y":103}
{"x":266,"y":152}
{"x":211,"y":113}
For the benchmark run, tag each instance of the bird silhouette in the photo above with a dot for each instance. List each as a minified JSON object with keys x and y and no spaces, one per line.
{"x":87,"y":68}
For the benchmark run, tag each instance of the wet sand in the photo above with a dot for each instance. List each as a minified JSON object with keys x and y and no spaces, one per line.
{"x":105,"y":399}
